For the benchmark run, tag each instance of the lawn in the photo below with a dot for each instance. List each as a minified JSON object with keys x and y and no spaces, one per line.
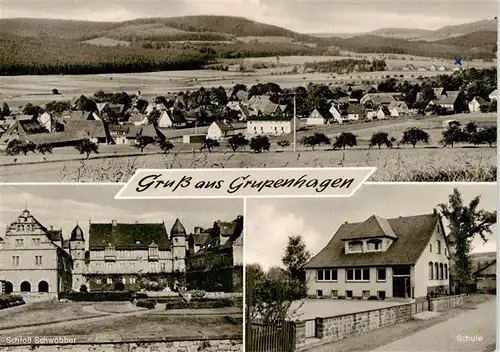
{"x":144,"y":327}
{"x":44,"y":312}
{"x":313,"y":308}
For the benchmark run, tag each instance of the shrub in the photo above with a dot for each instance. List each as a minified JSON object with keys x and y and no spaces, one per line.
{"x":198,"y":294}
{"x":372,"y":298}
{"x":146,"y":304}
{"x":97,"y":296}
{"x":200,"y":304}
{"x":55,"y":91}
{"x":119,"y":286}
{"x":7,"y":301}
{"x":140,"y":295}
{"x":341,"y":297}
{"x":83,"y":288}
{"x":223,"y":303}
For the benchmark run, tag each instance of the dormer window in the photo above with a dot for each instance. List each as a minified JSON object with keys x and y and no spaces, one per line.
{"x":374,"y":245}
{"x":356,"y":246}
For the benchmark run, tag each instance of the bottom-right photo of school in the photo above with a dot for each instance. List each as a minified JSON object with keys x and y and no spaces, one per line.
{"x":396,"y":267}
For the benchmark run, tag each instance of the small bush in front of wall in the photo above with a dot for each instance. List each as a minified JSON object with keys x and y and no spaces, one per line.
{"x":198,"y":294}
{"x":146,"y":304}
{"x":8,"y":301}
{"x":200,"y":304}
{"x":372,"y":298}
{"x":340,"y":297}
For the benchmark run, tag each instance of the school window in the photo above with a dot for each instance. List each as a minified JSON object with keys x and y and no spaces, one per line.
{"x":438,"y":247}
{"x":381,"y":294}
{"x":381,"y":274}
{"x":335,"y":293}
{"x":358,"y":274}
{"x":348,"y":294}
{"x":38,"y":260}
{"x":15,"y":260}
{"x":327,"y":275}
{"x":366,"y":294}
{"x":319,"y":293}
{"x":374,"y":245}
{"x":163,"y":266}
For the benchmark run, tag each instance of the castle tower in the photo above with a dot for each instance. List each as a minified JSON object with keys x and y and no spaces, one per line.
{"x":77,"y":251}
{"x":178,"y":238}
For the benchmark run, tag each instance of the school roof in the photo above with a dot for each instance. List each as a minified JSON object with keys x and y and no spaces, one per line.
{"x":412,"y":236}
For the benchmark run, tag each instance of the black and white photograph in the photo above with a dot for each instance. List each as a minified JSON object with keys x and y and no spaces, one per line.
{"x":81,"y":271}
{"x":91,"y":92}
{"x":396,"y":267}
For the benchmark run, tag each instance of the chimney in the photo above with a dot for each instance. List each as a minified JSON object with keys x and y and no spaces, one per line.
{"x":113,"y":222}
{"x":346,"y":222}
{"x":434,"y":211}
{"x":51,"y":227}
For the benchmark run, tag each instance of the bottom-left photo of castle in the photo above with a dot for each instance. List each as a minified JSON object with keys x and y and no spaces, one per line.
{"x":79,"y":268}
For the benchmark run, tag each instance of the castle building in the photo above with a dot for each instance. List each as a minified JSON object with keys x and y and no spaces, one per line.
{"x":130,"y":254}
{"x":32,"y":258}
{"x":215,"y":257}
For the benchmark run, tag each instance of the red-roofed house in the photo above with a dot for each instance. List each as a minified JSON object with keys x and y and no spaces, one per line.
{"x":404,"y":257}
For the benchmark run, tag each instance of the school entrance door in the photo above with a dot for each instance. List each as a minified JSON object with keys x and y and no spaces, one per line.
{"x":401,"y":283}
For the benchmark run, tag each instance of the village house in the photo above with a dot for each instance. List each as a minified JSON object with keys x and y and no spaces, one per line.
{"x":96,"y":131}
{"x":319,"y":118}
{"x":476,"y":104}
{"x":171,"y":119}
{"x":371,"y":114}
{"x":377,"y":99}
{"x":493,"y":95}
{"x":32,"y":259}
{"x":21,"y":129}
{"x":383,"y":113}
{"x":447,"y":101}
{"x":220,"y":129}
{"x":486,"y":278}
{"x":215,"y":259}
{"x":84,"y":115}
{"x":271,"y":125}
{"x":138,"y":119}
{"x":405,"y":257}
{"x":339,"y":115}
{"x":153,"y":106}
{"x":119,"y":133}
{"x":398,"y":109}
{"x":354,"y":112}
{"x":243,"y":112}
{"x":145,"y":130}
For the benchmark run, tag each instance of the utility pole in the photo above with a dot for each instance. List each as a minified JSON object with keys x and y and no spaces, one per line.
{"x":294,"y":124}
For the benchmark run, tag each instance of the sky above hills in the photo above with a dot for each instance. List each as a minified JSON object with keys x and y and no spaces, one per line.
{"x":317,"y":220}
{"x":305,"y":16}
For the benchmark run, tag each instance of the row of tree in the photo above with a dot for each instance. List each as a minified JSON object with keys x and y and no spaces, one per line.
{"x":346,"y":66}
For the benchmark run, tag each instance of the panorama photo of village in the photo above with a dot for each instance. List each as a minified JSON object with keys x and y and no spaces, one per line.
{"x":85,"y":101}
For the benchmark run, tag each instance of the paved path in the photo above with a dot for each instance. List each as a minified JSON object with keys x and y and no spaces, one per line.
{"x":449,"y":335}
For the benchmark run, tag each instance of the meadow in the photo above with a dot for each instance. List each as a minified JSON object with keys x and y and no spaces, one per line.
{"x":20,"y":90}
{"x":427,"y":162}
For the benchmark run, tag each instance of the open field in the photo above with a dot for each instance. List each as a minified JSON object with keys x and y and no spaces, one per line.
{"x":20,"y":90}
{"x":116,"y":163}
{"x":313,"y":308}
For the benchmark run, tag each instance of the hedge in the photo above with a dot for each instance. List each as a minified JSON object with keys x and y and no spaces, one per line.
{"x":7,"y":301}
{"x":200,"y":304}
{"x":145,"y":304}
{"x":116,"y":296}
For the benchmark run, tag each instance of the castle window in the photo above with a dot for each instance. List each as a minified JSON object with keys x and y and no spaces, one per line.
{"x":438,"y":247}
{"x":38,"y":260}
{"x":132,"y":280}
{"x":15,"y":260}
{"x":19,"y":242}
{"x":431,"y":271}
{"x":355,"y":246}
{"x":436,"y":267}
{"x":36,"y":241}
{"x":109,"y":281}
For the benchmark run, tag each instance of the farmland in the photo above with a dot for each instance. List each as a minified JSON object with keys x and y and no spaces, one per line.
{"x":403,"y":163}
{"x":19,"y":90}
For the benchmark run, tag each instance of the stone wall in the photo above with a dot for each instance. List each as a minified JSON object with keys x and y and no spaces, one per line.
{"x":444,"y":303}
{"x":173,"y":346}
{"x":341,"y":326}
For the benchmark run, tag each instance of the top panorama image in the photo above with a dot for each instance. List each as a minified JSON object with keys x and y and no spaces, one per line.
{"x":84,"y":101}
